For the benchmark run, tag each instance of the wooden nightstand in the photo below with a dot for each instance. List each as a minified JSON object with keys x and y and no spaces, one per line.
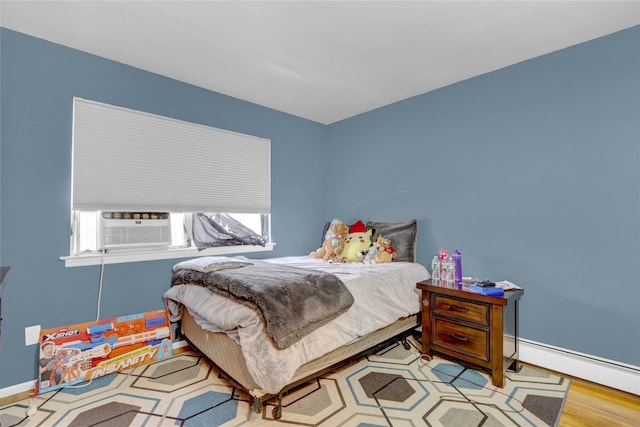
{"x":478,"y":329}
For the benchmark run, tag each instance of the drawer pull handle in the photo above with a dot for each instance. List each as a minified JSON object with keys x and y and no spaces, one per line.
{"x":461,"y":309}
{"x":459,"y":338}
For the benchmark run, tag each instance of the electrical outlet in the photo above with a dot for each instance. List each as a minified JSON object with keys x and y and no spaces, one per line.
{"x":32,"y":335}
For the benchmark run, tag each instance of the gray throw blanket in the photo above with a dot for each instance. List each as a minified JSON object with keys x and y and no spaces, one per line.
{"x":293,"y":301}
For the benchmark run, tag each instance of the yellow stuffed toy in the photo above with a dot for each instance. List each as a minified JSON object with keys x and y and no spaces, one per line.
{"x":333,"y":245}
{"x":356,"y":244}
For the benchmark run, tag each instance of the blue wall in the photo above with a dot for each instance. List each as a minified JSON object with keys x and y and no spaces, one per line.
{"x":38,"y":81}
{"x":531,"y":171}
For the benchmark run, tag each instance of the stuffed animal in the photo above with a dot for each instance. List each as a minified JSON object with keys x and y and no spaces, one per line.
{"x":356,"y":244}
{"x":334,"y":242}
{"x":386,"y":253}
{"x":370,"y":257}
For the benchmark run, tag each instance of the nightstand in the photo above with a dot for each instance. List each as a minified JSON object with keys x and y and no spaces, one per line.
{"x":478,"y":329}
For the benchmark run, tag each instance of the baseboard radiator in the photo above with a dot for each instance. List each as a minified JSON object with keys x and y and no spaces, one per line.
{"x":591,"y":368}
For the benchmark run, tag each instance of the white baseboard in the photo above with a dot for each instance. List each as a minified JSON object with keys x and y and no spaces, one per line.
{"x":30,"y":386}
{"x":17,"y":389}
{"x":610,"y":373}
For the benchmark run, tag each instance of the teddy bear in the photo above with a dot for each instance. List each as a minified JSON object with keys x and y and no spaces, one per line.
{"x":386,"y":253}
{"x":333,"y":244}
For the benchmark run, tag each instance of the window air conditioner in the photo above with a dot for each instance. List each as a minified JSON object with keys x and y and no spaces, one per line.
{"x":133,"y":229}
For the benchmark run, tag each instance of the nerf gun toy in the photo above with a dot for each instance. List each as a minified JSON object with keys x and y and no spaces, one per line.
{"x":98,"y":346}
{"x":155,"y":334}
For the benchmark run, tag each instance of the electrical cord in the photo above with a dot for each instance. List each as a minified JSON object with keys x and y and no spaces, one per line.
{"x":460,"y":395}
{"x":99,"y":303}
{"x":33,"y":408}
{"x":100,"y":283}
{"x":464,"y":397}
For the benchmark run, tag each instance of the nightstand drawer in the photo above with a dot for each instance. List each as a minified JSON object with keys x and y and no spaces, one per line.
{"x":461,"y":309}
{"x":462,"y":339}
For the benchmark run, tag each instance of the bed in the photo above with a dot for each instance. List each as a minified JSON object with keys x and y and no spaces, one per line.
{"x":235,"y":336}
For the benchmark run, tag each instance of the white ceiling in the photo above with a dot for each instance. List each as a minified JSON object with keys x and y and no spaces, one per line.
{"x":321,"y":60}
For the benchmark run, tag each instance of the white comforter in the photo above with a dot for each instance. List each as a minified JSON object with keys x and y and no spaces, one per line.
{"x":383,"y":293}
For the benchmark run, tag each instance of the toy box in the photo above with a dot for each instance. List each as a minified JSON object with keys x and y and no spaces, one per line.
{"x":82,"y":352}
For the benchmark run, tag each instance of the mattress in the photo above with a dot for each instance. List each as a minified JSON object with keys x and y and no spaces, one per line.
{"x":383,"y":294}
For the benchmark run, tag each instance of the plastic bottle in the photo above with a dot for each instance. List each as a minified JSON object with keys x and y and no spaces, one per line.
{"x":456,"y":256}
{"x":443,"y":257}
{"x":443,"y":272}
{"x":435,"y":271}
{"x":444,"y":265}
{"x":451,"y":279}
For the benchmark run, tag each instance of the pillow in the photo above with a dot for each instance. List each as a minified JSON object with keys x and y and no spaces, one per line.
{"x":402,"y":234}
{"x":325,"y":230}
{"x":324,"y":233}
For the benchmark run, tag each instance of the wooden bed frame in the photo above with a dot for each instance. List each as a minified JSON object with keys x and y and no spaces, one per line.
{"x":226,"y":356}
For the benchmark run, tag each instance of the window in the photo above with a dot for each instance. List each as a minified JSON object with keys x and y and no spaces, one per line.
{"x":97,"y":233}
{"x":137,"y":178}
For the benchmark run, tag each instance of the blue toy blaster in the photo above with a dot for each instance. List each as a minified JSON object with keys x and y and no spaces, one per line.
{"x":98,"y":346}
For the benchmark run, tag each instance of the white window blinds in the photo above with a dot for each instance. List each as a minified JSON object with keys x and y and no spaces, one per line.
{"x":130,"y":160}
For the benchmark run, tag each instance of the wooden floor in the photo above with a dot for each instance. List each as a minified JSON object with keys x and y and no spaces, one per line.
{"x":595,"y":405}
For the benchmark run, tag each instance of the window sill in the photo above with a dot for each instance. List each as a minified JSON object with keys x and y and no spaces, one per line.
{"x":121,"y":256}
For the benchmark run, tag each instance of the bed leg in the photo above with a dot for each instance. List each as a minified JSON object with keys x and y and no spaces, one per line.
{"x":277,"y":410}
{"x":405,"y":343}
{"x":257,"y":405}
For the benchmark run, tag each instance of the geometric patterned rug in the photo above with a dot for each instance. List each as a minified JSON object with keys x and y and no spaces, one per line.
{"x":393,"y":387}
